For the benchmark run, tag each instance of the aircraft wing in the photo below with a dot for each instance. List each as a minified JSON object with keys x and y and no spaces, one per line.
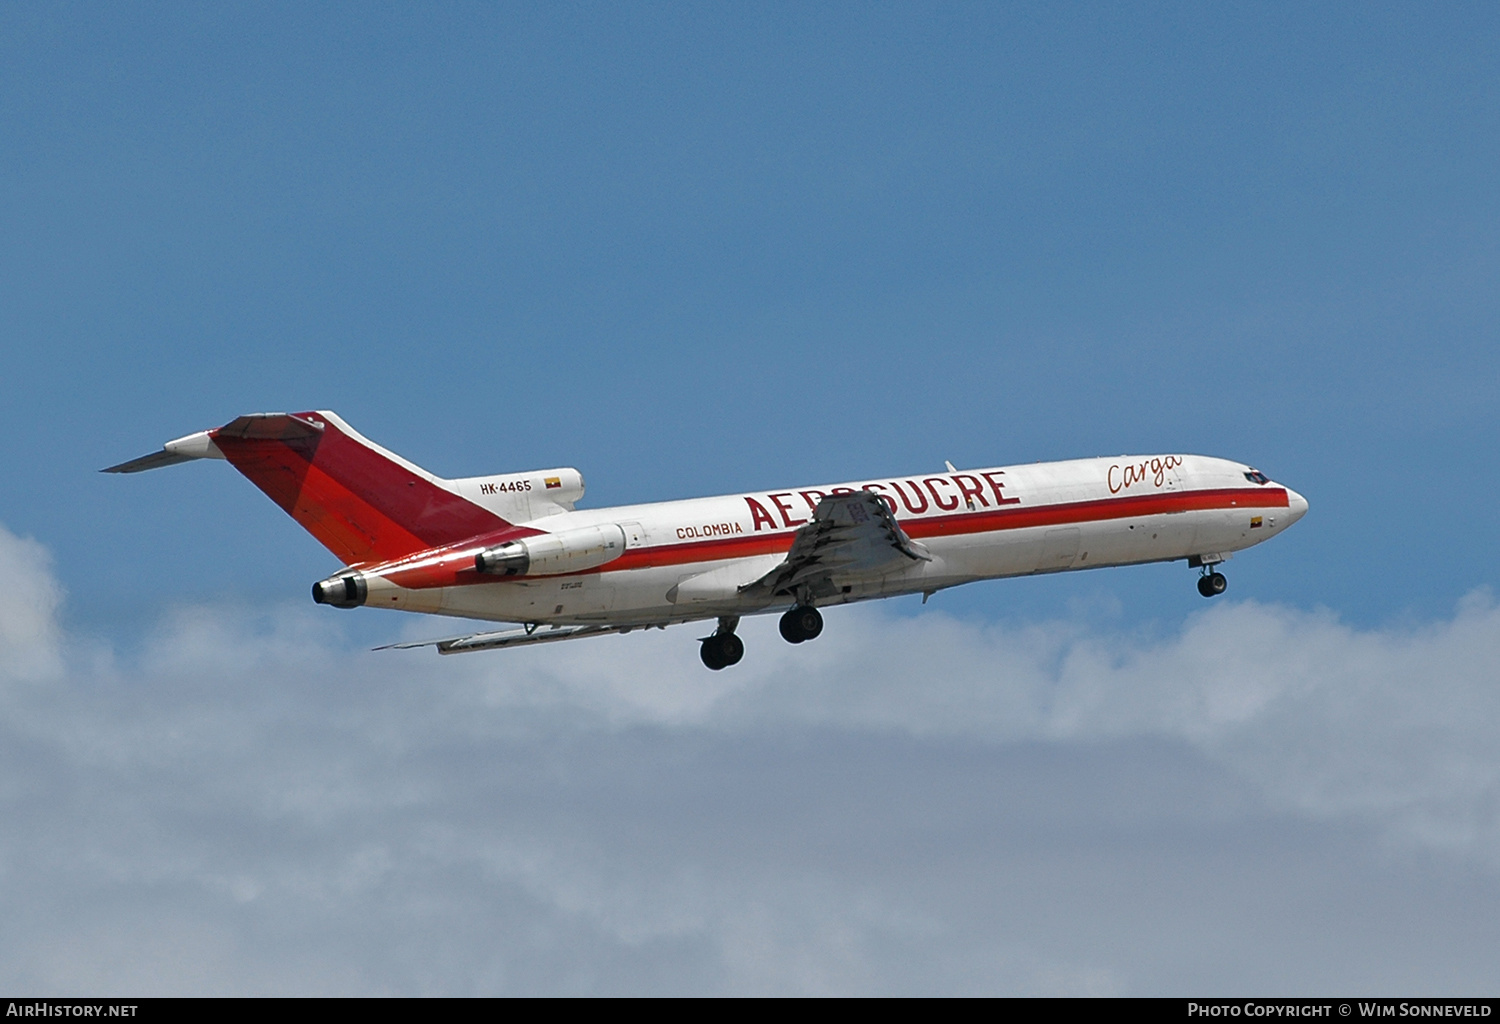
{"x":507,"y":638}
{"x":850,"y":537}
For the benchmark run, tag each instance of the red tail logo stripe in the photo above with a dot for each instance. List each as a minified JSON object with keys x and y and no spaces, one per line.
{"x":356,"y":500}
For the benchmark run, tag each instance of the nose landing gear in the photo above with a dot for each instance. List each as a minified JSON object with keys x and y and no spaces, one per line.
{"x":1211,"y":582}
{"x":803,"y":622}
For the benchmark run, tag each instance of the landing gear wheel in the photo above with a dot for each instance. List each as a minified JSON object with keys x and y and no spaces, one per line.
{"x":709,"y":652}
{"x":803,"y":622}
{"x":722,"y":650}
{"x":1213,"y":584}
{"x":731,"y":648}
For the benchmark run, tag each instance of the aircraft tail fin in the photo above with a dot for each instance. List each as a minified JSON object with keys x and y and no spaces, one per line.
{"x":361,"y":502}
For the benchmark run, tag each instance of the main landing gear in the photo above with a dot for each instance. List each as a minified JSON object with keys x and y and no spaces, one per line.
{"x":1212,"y":584}
{"x":803,"y":622}
{"x":723,"y":648}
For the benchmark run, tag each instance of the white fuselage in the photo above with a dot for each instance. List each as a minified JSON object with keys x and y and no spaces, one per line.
{"x":687,"y":560}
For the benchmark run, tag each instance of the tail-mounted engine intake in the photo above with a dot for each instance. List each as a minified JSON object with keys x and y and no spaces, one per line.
{"x":342,"y":591}
{"x":551,"y":554}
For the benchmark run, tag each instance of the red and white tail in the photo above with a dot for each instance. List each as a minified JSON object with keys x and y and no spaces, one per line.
{"x":361,"y":502}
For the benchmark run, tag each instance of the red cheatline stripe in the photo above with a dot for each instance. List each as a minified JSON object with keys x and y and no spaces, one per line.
{"x":447,"y":566}
{"x":1014,"y":517}
{"x":1017,"y":517}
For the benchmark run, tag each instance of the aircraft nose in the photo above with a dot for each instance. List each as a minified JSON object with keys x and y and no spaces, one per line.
{"x":1296,"y":506}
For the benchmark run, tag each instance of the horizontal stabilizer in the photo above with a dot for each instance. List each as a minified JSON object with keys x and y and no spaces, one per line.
{"x":184,"y":449}
{"x":155,"y":460}
{"x":507,"y":638}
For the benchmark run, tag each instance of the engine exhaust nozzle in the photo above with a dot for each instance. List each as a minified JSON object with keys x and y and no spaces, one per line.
{"x":341,"y":591}
{"x":509,"y":559}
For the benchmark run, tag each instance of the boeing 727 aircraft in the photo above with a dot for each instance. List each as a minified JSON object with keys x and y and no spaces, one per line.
{"x":514,"y":548}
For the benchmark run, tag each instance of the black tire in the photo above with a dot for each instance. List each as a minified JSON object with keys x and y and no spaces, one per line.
{"x":791,"y":629}
{"x":803,"y":622}
{"x":1213,"y":584}
{"x":712,"y":654}
{"x":731,"y":648}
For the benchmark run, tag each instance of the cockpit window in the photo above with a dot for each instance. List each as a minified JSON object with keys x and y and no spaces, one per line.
{"x":1255,"y":476}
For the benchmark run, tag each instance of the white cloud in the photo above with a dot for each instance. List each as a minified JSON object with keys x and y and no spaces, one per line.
{"x":904,"y":805}
{"x":1393,"y":726}
{"x":29,"y":600}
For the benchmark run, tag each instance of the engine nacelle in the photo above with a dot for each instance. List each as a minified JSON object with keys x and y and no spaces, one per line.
{"x":551,"y":554}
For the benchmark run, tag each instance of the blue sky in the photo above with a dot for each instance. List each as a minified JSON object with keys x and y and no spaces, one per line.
{"x":692,"y":249}
{"x":695,"y":251}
